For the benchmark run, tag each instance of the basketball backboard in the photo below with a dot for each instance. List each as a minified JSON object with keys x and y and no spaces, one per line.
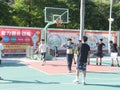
{"x":52,"y":14}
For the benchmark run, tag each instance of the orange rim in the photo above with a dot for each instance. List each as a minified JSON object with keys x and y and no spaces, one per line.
{"x":58,"y":22}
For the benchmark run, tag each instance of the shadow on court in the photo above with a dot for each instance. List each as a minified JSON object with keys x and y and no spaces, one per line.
{"x":5,"y":81}
{"x":104,"y":85}
{"x":11,"y":63}
{"x":105,"y":73}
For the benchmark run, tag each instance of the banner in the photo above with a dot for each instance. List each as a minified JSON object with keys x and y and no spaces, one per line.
{"x":15,"y":40}
{"x":59,"y":37}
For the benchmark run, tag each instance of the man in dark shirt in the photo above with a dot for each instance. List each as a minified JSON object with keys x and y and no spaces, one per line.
{"x":114,"y":53}
{"x":83,"y":54}
{"x":99,"y":52}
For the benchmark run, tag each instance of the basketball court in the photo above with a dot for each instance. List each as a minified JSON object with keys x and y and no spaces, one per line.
{"x":23,"y":74}
{"x":26,"y":74}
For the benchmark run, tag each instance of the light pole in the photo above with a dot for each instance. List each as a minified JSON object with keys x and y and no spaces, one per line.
{"x":110,"y":23}
{"x":82,"y":12}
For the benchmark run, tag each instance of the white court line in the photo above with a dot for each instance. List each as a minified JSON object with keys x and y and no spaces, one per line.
{"x":90,"y":83}
{"x":48,"y":73}
{"x":38,"y":70}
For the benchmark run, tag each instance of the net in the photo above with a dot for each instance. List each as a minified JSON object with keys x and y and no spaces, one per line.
{"x":59,"y":22}
{"x":52,"y":14}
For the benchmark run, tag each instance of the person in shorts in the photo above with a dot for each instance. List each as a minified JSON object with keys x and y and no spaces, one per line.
{"x":114,"y":53}
{"x":43,"y":49}
{"x":83,"y":54}
{"x":75,"y":51}
{"x":99,"y":53}
{"x":1,"y":51}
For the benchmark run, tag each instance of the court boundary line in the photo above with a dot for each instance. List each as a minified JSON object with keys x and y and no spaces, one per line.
{"x":38,"y":70}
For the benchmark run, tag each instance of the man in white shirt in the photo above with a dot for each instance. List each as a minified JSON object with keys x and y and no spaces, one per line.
{"x":1,"y":49}
{"x":43,"y":49}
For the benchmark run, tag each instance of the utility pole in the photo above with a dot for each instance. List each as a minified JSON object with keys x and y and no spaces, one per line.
{"x":82,"y":13}
{"x":110,"y":24}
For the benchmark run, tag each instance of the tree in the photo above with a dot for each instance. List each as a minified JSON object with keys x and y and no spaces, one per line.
{"x":116,"y":16}
{"x":6,"y":14}
{"x":31,"y":12}
{"x":74,"y":13}
{"x":95,"y":18}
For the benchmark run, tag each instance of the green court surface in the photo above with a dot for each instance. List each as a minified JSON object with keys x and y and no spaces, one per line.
{"x":19,"y":76}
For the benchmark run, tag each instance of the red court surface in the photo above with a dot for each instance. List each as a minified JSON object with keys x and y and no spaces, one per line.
{"x":60,"y":67}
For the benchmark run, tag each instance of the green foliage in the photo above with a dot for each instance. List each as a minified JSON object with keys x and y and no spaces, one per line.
{"x":116,"y":16}
{"x":74,"y":13}
{"x":95,"y":17}
{"x":6,"y":14}
{"x":30,"y":13}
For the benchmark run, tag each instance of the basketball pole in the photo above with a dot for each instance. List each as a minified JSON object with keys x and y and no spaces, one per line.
{"x":44,"y":36}
{"x":44,"y":31}
{"x":82,"y":13}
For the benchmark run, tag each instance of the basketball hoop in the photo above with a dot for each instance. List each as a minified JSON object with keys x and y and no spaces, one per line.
{"x":59,"y":22}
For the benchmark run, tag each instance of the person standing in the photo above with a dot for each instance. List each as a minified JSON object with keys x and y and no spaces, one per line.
{"x":56,"y":54}
{"x":99,"y":53}
{"x":43,"y":49}
{"x":1,"y":51}
{"x":83,"y":54}
{"x":69,"y":53}
{"x":114,"y":53}
{"x":75,"y":51}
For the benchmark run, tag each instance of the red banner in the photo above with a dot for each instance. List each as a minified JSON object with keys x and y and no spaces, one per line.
{"x":15,"y":40}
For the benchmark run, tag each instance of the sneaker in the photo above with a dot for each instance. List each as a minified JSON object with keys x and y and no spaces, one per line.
{"x":96,"y":63}
{"x":69,"y":71}
{"x":74,"y":62}
{"x":76,"y":81}
{"x":83,"y":83}
{"x":1,"y":78}
{"x":118,"y":65}
{"x":112,"y":65}
{"x":88,"y":63}
{"x":43,"y":64}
